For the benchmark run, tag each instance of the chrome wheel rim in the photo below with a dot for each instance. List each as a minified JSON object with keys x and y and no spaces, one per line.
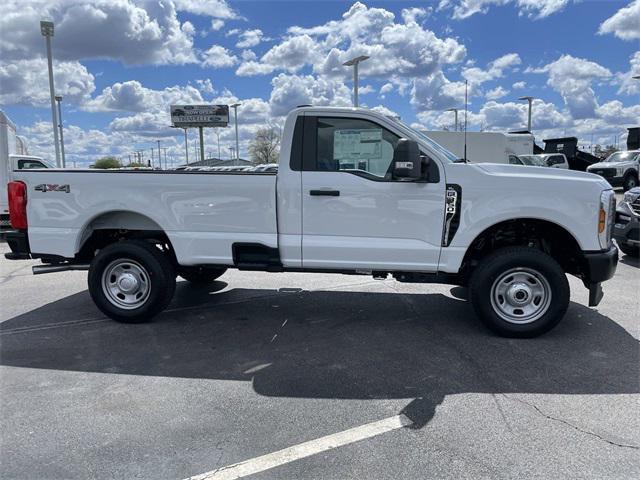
{"x":521,"y":295}
{"x":126,"y":284}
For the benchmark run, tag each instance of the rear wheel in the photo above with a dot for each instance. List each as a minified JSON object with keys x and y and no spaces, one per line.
{"x":131,"y":281}
{"x":201,"y":275}
{"x":519,"y":292}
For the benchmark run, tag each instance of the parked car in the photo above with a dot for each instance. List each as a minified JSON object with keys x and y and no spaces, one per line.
{"x":529,"y":160}
{"x":357,"y":193}
{"x":553,"y":160}
{"x":626,"y":230}
{"x":620,"y":169}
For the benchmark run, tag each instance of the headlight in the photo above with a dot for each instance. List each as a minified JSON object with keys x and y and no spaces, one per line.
{"x":605,"y":217}
{"x":630,"y":197}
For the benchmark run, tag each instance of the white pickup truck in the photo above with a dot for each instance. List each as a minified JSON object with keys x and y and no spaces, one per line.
{"x":355,"y":193}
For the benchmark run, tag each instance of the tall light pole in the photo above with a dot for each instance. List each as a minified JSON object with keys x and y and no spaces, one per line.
{"x":235,"y":113}
{"x":354,"y":62}
{"x":530,"y":100}
{"x":46,"y":29}
{"x":64,"y":163}
{"x":160,"y":156}
{"x":454,"y":110}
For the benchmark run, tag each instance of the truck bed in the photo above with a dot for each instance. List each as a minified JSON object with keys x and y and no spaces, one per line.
{"x":202,"y":213}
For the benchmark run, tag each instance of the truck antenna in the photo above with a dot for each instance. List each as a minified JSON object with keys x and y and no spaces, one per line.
{"x":465,"y":121}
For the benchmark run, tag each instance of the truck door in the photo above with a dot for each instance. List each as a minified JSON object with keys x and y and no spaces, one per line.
{"x":354,"y":215}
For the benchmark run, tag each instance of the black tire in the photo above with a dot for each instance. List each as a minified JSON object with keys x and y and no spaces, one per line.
{"x":148,"y":264}
{"x":630,"y":250}
{"x":629,"y":182}
{"x":541,"y":272}
{"x":201,"y":275}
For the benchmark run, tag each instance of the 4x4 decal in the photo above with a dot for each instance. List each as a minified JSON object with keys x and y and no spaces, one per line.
{"x":48,"y":187}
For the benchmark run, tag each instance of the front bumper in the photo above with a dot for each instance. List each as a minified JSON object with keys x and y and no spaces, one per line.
{"x":18,"y":242}
{"x":598,"y":267}
{"x":626,"y":229}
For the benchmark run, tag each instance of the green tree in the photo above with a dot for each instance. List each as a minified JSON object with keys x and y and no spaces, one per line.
{"x":107,"y":162}
{"x":265,"y":147}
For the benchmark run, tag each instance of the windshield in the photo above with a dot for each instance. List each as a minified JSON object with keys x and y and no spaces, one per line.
{"x":532,"y":160}
{"x":436,"y":146}
{"x":621,"y":157}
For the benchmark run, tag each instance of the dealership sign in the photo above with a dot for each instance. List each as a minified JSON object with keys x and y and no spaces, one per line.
{"x":187,"y":116}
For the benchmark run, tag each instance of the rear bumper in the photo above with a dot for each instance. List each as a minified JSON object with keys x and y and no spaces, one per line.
{"x":18,"y":242}
{"x":598,"y":267}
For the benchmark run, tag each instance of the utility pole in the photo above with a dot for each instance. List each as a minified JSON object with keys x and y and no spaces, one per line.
{"x":354,"y":62}
{"x":454,"y":110}
{"x":235,"y":111}
{"x":159,"y":156}
{"x":46,"y":29}
{"x":59,"y":100}
{"x":217,"y":132}
{"x":530,"y":100}
{"x":202,"y":145}
{"x":186,"y":147}
{"x":152,"y":159}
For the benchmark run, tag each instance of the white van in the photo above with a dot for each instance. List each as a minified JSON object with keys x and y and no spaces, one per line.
{"x":485,"y":147}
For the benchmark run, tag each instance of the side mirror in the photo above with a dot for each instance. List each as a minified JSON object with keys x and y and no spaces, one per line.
{"x":407,"y":162}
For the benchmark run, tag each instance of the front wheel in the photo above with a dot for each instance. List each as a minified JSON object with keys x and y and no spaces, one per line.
{"x":631,"y":250}
{"x":131,"y":281}
{"x":630,"y":181}
{"x":519,"y":292}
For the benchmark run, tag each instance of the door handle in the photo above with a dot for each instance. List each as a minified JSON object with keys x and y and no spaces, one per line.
{"x":328,"y":193}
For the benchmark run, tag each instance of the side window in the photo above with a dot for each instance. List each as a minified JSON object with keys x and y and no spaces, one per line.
{"x":513,"y":160}
{"x":354,"y":145}
{"x":27,"y":164}
{"x":555,"y":160}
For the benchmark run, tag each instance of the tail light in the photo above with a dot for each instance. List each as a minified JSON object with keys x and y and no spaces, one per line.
{"x":17,"y":205}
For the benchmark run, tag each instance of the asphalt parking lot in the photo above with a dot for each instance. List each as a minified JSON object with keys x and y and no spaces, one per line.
{"x":313,"y":376}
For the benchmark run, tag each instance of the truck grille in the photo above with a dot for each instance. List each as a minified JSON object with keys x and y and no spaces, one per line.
{"x":604,"y":172}
{"x":635,"y":206}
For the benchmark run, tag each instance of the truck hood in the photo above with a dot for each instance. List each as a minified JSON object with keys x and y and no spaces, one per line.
{"x":609,"y":164}
{"x":519,"y":171}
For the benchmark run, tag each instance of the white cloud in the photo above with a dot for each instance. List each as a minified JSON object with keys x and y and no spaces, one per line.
{"x":496,"y":93}
{"x":436,"y":92}
{"x":290,"y":55}
{"x":211,"y":8}
{"x":131,"y":96}
{"x":218,"y":57}
{"x":217,"y":24}
{"x":531,"y":8}
{"x":411,"y":15}
{"x":399,"y":49}
{"x":26,"y":82}
{"x":625,"y":23}
{"x":519,"y":85}
{"x":495,"y":69}
{"x":250,"y":38}
{"x":628,"y":84}
{"x":290,"y":91}
{"x":145,"y":33}
{"x":572,"y":78}
{"x":386,"y":88}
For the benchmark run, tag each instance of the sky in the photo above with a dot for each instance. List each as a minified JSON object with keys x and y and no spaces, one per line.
{"x":119,"y":64}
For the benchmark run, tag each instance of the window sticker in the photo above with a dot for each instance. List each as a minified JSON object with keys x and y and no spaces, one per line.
{"x":356,"y":144}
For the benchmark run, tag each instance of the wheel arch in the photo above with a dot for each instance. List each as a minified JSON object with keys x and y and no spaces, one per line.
{"x":542,"y":234}
{"x":114,"y":225}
